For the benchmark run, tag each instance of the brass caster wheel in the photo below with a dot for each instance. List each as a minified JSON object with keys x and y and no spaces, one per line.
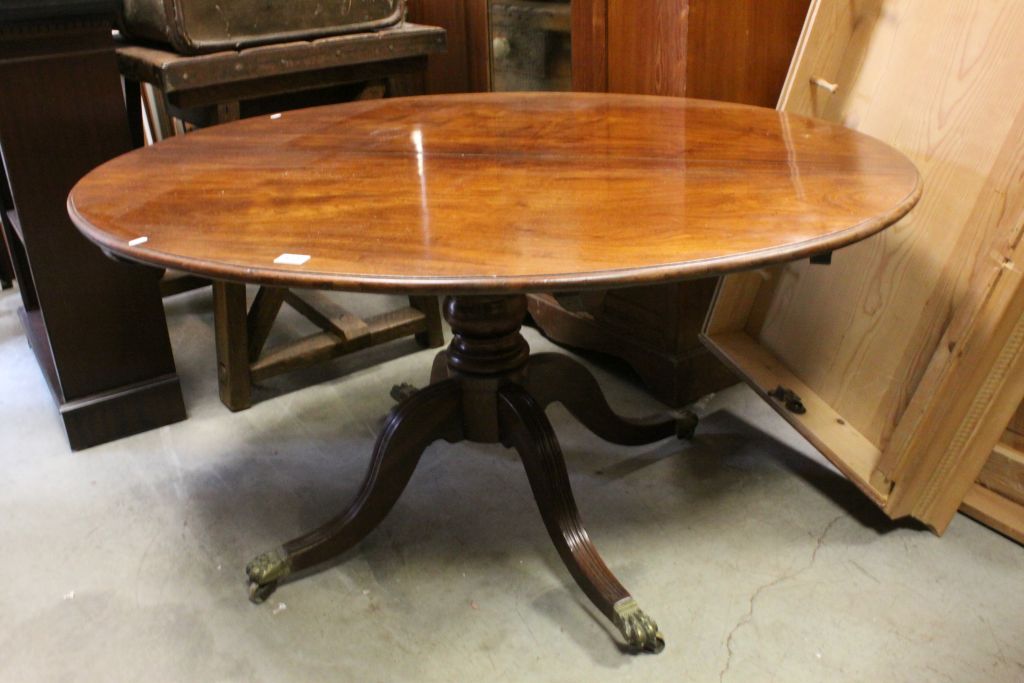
{"x":258,"y":593}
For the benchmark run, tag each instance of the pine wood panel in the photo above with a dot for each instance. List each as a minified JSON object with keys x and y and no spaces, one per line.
{"x":991,"y":509}
{"x":821,"y":425}
{"x":1004,"y":472}
{"x":883,"y":305}
{"x":911,"y":336}
{"x":1017,"y":421}
{"x":476,"y":194}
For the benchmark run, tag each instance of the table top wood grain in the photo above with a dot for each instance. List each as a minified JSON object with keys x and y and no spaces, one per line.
{"x":495,"y":193}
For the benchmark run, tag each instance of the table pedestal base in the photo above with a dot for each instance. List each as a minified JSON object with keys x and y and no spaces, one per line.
{"x":487,"y":388}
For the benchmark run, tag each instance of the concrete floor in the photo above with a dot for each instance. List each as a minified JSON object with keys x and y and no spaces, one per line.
{"x":124,"y":562}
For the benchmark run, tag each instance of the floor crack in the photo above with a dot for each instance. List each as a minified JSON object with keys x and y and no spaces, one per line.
{"x":748,"y":617}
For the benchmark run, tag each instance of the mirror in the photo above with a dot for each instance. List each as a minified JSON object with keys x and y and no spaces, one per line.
{"x":531,"y":47}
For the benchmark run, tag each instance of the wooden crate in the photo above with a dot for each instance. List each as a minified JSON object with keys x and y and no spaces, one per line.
{"x":907,"y":349}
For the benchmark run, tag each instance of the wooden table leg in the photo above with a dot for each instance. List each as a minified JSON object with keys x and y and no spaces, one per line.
{"x":261,"y":317}
{"x":433,"y":336}
{"x":480,"y":393}
{"x":525,"y":428}
{"x":554,"y":377}
{"x":411,"y":82}
{"x":133,"y":104}
{"x":231,"y":332}
{"x":426,"y":416}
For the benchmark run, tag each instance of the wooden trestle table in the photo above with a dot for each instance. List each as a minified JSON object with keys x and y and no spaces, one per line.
{"x":485,"y":198}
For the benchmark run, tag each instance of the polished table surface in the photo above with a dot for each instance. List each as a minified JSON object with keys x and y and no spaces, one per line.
{"x":496,"y":193}
{"x":485,"y":197}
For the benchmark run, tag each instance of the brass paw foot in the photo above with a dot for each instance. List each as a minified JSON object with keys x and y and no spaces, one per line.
{"x":686,"y":424}
{"x":403,"y":391}
{"x":264,"y":572}
{"x":639,"y":630}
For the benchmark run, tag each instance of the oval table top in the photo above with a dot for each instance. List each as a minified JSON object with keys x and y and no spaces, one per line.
{"x":495,"y":193}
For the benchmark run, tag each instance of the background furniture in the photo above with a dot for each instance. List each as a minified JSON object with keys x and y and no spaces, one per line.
{"x":465,"y":65}
{"x":741,"y":51}
{"x":735,"y":51}
{"x":198,"y":26}
{"x":631,"y":192}
{"x":97,"y":327}
{"x":206,"y":89}
{"x":531,"y":45}
{"x":732,"y":51}
{"x":209,"y":89}
{"x":908,"y":351}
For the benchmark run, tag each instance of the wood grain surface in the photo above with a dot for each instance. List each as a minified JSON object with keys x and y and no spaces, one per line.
{"x":913,"y":337}
{"x":496,"y":193}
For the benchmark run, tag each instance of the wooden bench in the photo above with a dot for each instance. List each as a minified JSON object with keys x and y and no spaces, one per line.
{"x":182,"y":92}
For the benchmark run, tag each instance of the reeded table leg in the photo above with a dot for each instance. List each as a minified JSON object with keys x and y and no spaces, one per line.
{"x":525,"y":428}
{"x":426,"y":416}
{"x":487,"y":389}
{"x":554,"y":377}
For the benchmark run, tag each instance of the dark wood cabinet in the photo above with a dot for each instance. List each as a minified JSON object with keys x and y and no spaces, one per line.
{"x":465,"y":66}
{"x":97,"y":327}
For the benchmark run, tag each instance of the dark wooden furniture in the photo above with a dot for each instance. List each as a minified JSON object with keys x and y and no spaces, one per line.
{"x":97,"y":327}
{"x":465,"y":65}
{"x":225,"y":86}
{"x":196,"y":86}
{"x":733,"y":51}
{"x":200,"y":26}
{"x":482,"y":203}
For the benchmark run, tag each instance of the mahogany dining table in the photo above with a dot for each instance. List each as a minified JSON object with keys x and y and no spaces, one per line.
{"x":484,"y":198}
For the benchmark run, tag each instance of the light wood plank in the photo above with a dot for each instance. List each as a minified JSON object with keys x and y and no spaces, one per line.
{"x":844,"y":446}
{"x":991,"y":509}
{"x":863,"y":330}
{"x":914,"y":336}
{"x":733,"y":301}
{"x":1017,"y":421}
{"x":1004,"y":472}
